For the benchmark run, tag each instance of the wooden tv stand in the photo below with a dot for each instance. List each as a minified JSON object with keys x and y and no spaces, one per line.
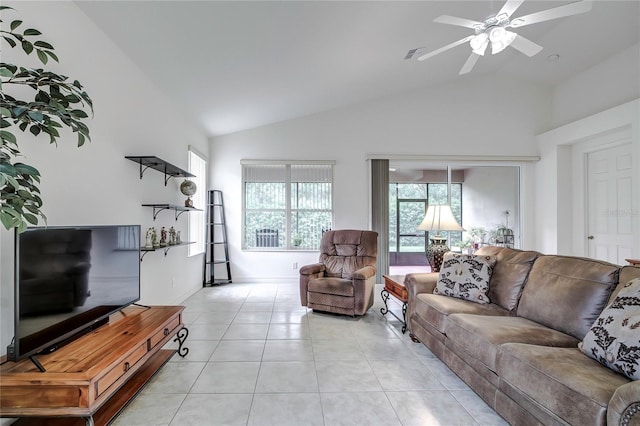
{"x":96,"y":375}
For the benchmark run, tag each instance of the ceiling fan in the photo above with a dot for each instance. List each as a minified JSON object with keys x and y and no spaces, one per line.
{"x":493,"y":30}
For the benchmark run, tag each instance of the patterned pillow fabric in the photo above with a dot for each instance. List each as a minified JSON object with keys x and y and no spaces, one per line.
{"x":465,"y":276}
{"x":614,"y":338}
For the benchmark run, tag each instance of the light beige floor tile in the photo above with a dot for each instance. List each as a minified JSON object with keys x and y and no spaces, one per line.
{"x":288,"y":298}
{"x":199,"y":350}
{"x":249,"y":317}
{"x":210,"y":410}
{"x":257,"y":307}
{"x":358,"y":408}
{"x":287,"y":376}
{"x":290,"y":307}
{"x":288,"y":350}
{"x":206,"y":331}
{"x":329,"y":330}
{"x":286,"y":409}
{"x":300,"y":367}
{"x":346,"y":376}
{"x":341,"y":350}
{"x":381,"y":349}
{"x":227,"y":377}
{"x":174,"y":377}
{"x":286,"y":317}
{"x":238,"y":350}
{"x":221,"y":318}
{"x":479,"y":409}
{"x":288,"y":331}
{"x":433,"y":408}
{"x":444,"y":375}
{"x":246,"y":332}
{"x":150,"y":409}
{"x":405,"y":376}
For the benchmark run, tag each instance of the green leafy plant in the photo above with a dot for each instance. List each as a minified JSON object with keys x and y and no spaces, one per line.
{"x":57,"y":103}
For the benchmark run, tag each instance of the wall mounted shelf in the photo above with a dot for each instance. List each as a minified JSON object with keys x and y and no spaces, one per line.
{"x":166,"y":249}
{"x":157,"y":208}
{"x":155,"y":163}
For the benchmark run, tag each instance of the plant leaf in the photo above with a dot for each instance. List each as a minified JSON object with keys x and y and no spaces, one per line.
{"x":15,"y":24}
{"x":31,"y":32}
{"x":27,"y":47}
{"x":5,"y":134}
{"x":42,"y":56}
{"x":9,"y":40}
{"x":5,"y":72}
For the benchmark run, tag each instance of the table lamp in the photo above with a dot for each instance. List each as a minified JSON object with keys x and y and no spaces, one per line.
{"x":438,"y":218}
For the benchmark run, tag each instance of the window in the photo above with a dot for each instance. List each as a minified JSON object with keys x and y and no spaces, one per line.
{"x":286,"y":205}
{"x":198,"y":167}
{"x":407,"y":205}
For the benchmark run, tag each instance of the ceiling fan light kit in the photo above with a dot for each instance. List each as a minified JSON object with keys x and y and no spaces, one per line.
{"x":494,"y":30}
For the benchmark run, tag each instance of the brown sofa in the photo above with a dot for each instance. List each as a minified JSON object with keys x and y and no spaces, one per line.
{"x":519,"y":352}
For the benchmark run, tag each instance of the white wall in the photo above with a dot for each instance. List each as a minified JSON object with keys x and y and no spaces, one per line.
{"x":608,"y":84}
{"x":486,"y":193}
{"x":95,"y":184}
{"x":598,"y":101}
{"x":470,"y":118}
{"x":559,"y":175}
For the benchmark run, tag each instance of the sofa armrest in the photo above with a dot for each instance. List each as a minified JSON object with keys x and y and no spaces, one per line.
{"x":364,"y":273}
{"x":420,"y":283}
{"x":416,"y":284}
{"x":309,"y":272}
{"x":624,"y":406}
{"x":313,"y":269}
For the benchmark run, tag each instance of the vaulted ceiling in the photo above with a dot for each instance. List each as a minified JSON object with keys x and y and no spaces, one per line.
{"x":236,"y":65}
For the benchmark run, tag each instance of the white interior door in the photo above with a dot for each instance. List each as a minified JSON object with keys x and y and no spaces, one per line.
{"x":610,"y":200}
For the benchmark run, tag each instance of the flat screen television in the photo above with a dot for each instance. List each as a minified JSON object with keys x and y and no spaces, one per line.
{"x":68,"y":280}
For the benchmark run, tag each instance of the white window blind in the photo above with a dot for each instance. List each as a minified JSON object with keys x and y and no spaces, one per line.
{"x":196,"y":230}
{"x":286,"y":205}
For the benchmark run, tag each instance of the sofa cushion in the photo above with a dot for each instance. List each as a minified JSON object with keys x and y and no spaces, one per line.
{"x":481,"y":335}
{"x":562,"y":380}
{"x":567,"y":293}
{"x":434,"y":309}
{"x":336,"y":286}
{"x":465,"y":276}
{"x":509,"y":274}
{"x":614,"y":338}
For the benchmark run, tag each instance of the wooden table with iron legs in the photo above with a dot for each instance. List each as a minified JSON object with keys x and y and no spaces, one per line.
{"x":394,"y":286}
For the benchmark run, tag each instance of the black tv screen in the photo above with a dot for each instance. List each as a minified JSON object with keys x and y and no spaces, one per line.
{"x":70,"y":279}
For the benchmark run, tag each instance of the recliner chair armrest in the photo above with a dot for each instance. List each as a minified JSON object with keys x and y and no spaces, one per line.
{"x":624,"y":406}
{"x":417,"y":283}
{"x":364,"y":273}
{"x":314,"y":268}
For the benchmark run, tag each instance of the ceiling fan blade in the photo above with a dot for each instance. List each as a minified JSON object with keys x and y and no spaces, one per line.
{"x":509,"y":7}
{"x":442,"y":49}
{"x":453,"y":20}
{"x":468,"y":65}
{"x":554,"y":13}
{"x":525,"y":46}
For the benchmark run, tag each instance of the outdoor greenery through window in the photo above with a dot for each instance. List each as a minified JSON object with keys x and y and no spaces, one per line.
{"x":408,"y":203}
{"x":286,"y":205}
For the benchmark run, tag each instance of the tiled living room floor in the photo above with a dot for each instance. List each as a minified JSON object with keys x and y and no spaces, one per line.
{"x":256,"y":357}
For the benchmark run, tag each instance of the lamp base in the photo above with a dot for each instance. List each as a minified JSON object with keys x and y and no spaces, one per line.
{"x":435,"y":252}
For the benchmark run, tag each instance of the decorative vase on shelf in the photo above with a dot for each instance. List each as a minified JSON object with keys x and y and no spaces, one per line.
{"x":188,"y":188}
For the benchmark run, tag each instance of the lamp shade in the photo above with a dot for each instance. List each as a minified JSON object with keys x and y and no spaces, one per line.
{"x":439,"y":218}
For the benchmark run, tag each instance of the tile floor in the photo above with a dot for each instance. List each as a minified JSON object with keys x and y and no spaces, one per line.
{"x":256,"y":357}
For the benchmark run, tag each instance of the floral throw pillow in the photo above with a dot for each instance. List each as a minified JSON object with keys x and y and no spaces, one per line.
{"x":614,"y":338}
{"x":466,"y":277}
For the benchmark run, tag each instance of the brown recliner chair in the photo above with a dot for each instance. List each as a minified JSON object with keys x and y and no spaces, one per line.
{"x":343,"y":281}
